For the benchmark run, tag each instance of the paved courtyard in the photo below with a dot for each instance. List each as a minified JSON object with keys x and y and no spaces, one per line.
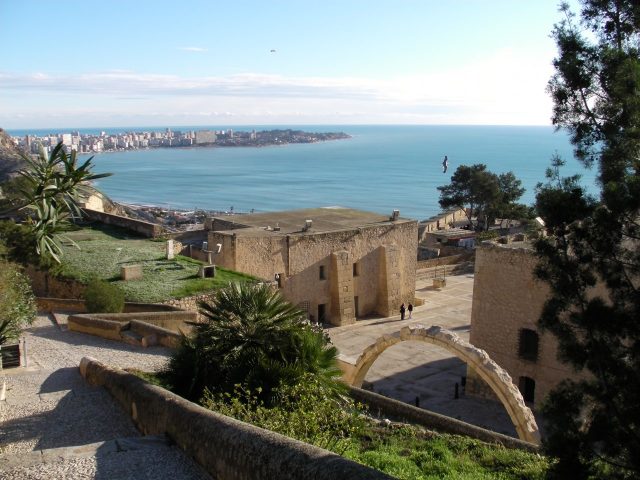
{"x":415,"y":369}
{"x":54,"y":425}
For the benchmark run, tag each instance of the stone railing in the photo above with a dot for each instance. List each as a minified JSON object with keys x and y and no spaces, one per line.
{"x":394,"y":409}
{"x":226,"y":448}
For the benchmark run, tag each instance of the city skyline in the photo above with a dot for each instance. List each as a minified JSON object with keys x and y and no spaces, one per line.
{"x":271,"y":63}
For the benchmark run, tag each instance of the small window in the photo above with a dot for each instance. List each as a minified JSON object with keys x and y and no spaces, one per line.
{"x":355,"y":269}
{"x":528,"y":346}
{"x":527,"y":387}
{"x":323,"y":275}
{"x":356,"y":307}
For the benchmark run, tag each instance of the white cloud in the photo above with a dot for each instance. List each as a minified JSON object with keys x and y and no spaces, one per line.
{"x":505,"y":88}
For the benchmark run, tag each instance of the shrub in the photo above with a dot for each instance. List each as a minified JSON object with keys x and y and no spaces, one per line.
{"x":488,"y":235}
{"x":305,"y":411}
{"x":17,"y":303}
{"x":103,"y":297}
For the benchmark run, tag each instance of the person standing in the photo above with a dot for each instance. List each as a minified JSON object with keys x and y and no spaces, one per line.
{"x":402,"y":310}
{"x":410,"y":308}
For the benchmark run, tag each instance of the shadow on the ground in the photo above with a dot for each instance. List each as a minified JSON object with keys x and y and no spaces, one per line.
{"x":434,"y":384}
{"x":65,"y":412}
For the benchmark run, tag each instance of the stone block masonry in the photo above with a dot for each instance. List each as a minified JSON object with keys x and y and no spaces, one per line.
{"x":131,"y":272}
{"x":226,"y":448}
{"x":342,"y":287}
{"x":508,"y":298}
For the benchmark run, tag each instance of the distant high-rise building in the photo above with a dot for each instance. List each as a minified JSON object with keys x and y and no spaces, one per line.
{"x":205,"y":136}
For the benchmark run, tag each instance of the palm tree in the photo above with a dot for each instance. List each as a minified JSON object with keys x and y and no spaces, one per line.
{"x":252,"y":337}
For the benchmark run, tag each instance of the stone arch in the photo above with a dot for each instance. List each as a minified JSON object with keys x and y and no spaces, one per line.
{"x":494,"y":375}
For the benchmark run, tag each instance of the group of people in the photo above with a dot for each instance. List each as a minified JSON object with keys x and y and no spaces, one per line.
{"x":404,"y":309}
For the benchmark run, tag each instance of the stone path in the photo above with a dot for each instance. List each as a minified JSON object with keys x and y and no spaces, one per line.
{"x":54,"y":425}
{"x":414,"y":369}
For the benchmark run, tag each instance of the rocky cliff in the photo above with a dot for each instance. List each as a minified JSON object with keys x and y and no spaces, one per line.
{"x":10,"y":157}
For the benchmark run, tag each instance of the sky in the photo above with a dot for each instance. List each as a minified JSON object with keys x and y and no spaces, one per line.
{"x":280,"y":62}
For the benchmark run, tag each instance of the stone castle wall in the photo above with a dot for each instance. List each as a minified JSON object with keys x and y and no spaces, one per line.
{"x":297,"y":259}
{"x":507,"y":298}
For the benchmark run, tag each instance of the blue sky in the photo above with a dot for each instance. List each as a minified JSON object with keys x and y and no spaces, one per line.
{"x":126,"y":63}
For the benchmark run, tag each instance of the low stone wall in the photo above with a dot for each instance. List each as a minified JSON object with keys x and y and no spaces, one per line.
{"x":150,"y":328}
{"x":172,"y":321}
{"x":394,"y":409}
{"x":450,"y":260}
{"x":226,"y":448}
{"x":100,"y":327}
{"x":147,"y":229}
{"x":187,"y":303}
{"x":154,"y":335}
{"x":48,"y":304}
{"x":46,"y":285}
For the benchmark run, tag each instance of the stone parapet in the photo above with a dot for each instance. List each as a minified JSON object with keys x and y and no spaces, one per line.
{"x":394,"y":409}
{"x":226,"y":448}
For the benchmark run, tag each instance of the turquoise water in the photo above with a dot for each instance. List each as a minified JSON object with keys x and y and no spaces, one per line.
{"x":380,"y":169}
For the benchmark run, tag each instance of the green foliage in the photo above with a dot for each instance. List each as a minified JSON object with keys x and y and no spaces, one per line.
{"x":103,"y":297}
{"x":252,"y":337}
{"x":593,"y":424}
{"x":51,"y":187}
{"x":488,"y":235}
{"x":20,"y":243}
{"x":408,"y":452}
{"x":483,"y":194}
{"x":17,"y":303}
{"x":305,"y":411}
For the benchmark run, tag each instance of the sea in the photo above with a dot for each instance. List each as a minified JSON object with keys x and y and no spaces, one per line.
{"x":379,"y":169}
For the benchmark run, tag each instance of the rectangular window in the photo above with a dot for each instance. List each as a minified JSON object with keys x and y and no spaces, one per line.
{"x":355,"y":269}
{"x":323,"y":275}
{"x":355,"y":306}
{"x":528,"y":345}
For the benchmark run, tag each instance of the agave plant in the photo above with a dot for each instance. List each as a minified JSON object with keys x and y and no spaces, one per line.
{"x":52,"y":189}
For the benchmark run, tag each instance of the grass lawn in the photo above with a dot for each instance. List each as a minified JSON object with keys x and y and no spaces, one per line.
{"x":411,"y":453}
{"x":104,"y":249}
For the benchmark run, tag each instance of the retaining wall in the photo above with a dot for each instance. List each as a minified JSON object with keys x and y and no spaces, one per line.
{"x":448,"y":260}
{"x":48,"y":304}
{"x":149,"y":328}
{"x":383,"y":406}
{"x":226,"y":448}
{"x":147,"y":229}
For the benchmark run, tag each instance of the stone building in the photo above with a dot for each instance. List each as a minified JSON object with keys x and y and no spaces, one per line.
{"x":507,"y":303}
{"x":336,"y":263}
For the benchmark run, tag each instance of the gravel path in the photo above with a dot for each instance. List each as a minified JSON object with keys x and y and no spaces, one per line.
{"x":50,"y":410}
